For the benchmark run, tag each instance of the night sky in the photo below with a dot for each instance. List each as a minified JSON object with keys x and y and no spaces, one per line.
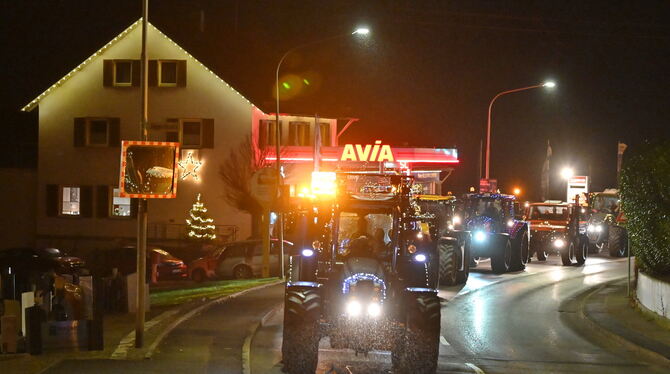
{"x":424,"y":77}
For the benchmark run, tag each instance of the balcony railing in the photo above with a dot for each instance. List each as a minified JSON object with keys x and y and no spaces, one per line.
{"x":177,"y":231}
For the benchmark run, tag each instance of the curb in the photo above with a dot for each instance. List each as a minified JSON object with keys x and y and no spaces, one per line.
{"x":615,"y":333}
{"x":246,"y":347}
{"x":152,"y":348}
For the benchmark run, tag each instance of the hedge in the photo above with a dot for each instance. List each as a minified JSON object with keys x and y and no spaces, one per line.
{"x":645,"y":198}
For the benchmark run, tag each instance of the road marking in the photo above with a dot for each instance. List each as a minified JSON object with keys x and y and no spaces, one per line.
{"x":443,"y":340}
{"x":475,"y":368}
{"x":246,"y":347}
{"x":121,"y":351}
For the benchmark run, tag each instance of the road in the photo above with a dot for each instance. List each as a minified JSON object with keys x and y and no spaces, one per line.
{"x":524,"y":322}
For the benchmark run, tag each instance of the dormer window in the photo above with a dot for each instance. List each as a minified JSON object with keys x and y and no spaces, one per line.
{"x":167,"y":73}
{"x":123,"y":73}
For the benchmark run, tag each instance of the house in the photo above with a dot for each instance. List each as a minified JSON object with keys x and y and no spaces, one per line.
{"x":84,"y":116}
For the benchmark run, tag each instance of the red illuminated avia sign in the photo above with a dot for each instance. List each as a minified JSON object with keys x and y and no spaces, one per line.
{"x":373,"y":153}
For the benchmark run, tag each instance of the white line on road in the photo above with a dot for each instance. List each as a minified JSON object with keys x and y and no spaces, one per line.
{"x":475,"y":368}
{"x":443,"y":340}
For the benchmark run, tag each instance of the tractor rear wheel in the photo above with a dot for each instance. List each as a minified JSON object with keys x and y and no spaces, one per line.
{"x":300,"y":346}
{"x":448,"y":259}
{"x":567,"y":254}
{"x":582,"y":250}
{"x":519,"y":253}
{"x":463,"y":275}
{"x":617,"y":241}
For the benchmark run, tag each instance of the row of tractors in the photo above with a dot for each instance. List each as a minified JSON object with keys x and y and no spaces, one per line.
{"x":369,"y":262}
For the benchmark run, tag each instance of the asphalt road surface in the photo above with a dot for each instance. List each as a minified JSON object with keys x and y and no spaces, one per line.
{"x":523,"y":322}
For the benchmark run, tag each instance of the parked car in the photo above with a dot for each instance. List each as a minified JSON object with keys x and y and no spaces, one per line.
{"x":49,"y":271}
{"x":238,"y":260}
{"x":124,"y":259}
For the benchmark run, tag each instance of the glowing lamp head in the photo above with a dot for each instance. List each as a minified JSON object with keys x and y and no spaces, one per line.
{"x":361,"y":31}
{"x":559,"y":243}
{"x":480,"y":236}
{"x":510,"y":223}
{"x":567,"y":173}
{"x":549,"y":84}
{"x":374,"y":310}
{"x":354,"y":308}
{"x":411,"y":248}
{"x":456,"y":220}
{"x":307,"y":252}
{"x":517,"y":191}
{"x":420,"y":258}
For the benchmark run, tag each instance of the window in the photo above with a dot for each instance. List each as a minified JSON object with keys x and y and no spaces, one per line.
{"x":123,"y":73}
{"x":267,"y":133}
{"x":191,"y":133}
{"x":70,"y":200}
{"x":167,"y":73}
{"x":324,"y":130}
{"x":298,"y":133}
{"x":120,"y":205}
{"x":97,"y":132}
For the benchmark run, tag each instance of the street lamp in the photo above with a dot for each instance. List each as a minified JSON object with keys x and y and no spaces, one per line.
{"x":517,"y":191}
{"x":567,"y":173}
{"x":548,"y":84}
{"x":363,"y":31}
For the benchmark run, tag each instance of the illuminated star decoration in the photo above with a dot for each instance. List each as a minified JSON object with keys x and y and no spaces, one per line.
{"x":189,"y":166}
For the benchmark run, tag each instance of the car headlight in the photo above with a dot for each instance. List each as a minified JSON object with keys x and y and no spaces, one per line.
{"x":354,"y":308}
{"x":374,"y":310}
{"x":559,"y":243}
{"x":480,"y":236}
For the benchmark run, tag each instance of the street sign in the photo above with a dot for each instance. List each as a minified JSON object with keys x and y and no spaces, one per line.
{"x":577,"y":185}
{"x":488,"y":185}
{"x":264,"y":186}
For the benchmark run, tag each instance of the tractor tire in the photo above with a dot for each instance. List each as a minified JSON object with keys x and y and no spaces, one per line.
{"x":519,"y":253}
{"x":501,"y":260}
{"x":541,"y":254}
{"x":567,"y":254}
{"x":618,"y":242}
{"x":415,"y":351}
{"x":582,"y":250}
{"x":474,"y":261}
{"x":463,"y":275}
{"x":448,"y":259}
{"x":300,"y":345}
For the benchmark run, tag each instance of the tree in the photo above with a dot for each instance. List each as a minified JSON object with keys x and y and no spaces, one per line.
{"x":236,"y":172}
{"x":200,"y":225}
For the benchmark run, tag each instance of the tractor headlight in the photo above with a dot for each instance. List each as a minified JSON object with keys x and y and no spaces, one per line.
{"x":480,"y":236}
{"x":354,"y":308}
{"x":510,"y":223}
{"x":456,"y":220}
{"x":594,"y":228}
{"x":420,"y":258}
{"x":308,"y":252}
{"x":559,"y":243}
{"x":599,"y":228}
{"x":374,"y":310}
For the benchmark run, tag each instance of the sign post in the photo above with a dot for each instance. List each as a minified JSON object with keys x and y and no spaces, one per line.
{"x":264,"y":187}
{"x":577,"y":185}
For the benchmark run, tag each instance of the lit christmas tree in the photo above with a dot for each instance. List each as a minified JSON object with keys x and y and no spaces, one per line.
{"x":201,"y":226}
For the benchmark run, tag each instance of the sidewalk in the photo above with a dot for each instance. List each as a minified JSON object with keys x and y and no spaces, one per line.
{"x":609,"y":308}
{"x":119,"y":329}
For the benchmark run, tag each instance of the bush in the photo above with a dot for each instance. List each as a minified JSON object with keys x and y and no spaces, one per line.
{"x":645,"y":198}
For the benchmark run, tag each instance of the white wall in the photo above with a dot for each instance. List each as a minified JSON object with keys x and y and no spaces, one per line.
{"x":654,"y":294}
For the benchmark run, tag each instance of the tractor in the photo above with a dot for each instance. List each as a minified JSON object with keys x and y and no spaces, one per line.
{"x":360,"y":278}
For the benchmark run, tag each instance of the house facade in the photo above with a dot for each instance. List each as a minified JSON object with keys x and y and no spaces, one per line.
{"x":84,"y":116}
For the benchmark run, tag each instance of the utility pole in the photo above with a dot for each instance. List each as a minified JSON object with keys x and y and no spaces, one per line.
{"x":142,"y":203}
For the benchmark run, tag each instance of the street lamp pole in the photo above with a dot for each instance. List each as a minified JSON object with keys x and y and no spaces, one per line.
{"x":488,"y":127}
{"x":280,"y":216}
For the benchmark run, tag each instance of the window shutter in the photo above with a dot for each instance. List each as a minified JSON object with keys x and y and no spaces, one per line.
{"x":107,"y":73}
{"x":153,"y":73}
{"x":102,"y":198}
{"x":52,"y":200}
{"x":207,"y":133}
{"x":181,"y":73}
{"x":133,"y":207}
{"x":86,"y":201}
{"x":137,"y":70}
{"x":114,"y":132}
{"x":79,"y":132}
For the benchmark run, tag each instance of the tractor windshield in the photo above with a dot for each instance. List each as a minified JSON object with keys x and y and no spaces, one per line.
{"x":606,"y":204}
{"x":484,"y":207}
{"x":549,"y":212}
{"x":373,"y":228}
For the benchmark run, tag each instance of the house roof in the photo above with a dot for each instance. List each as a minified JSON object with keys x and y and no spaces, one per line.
{"x":35,"y":102}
